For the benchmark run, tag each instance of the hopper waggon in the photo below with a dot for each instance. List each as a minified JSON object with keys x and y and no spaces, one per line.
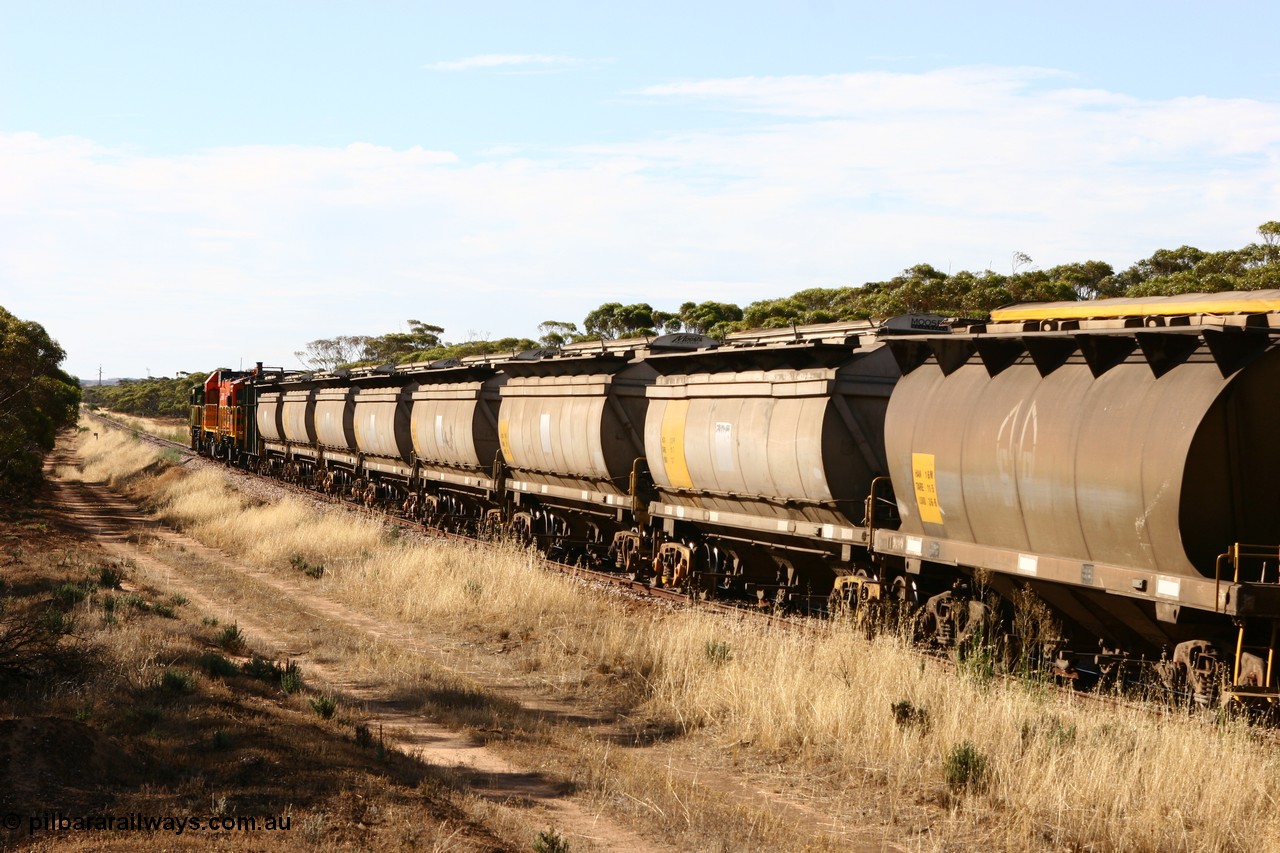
{"x":1114,"y":458}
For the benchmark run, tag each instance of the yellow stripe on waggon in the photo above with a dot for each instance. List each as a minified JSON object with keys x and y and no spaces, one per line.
{"x":673,"y":425}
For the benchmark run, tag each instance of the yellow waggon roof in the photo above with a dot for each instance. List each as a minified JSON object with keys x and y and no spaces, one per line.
{"x":1235,"y":302}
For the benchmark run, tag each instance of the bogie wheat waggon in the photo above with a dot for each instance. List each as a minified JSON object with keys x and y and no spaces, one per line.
{"x":1117,"y":460}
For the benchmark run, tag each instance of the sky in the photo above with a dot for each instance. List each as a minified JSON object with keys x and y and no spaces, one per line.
{"x":185,"y":186}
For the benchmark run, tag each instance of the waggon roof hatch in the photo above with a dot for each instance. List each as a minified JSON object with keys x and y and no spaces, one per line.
{"x":916,"y":324}
{"x":537,"y":354}
{"x":682,"y":342}
{"x":797,"y":356}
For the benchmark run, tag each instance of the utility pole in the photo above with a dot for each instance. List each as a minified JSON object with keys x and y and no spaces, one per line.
{"x":99,"y":375}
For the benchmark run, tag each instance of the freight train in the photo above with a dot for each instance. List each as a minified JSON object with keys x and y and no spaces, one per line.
{"x":1115,"y":460}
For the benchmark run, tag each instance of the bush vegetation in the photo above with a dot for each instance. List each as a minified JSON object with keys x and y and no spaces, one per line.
{"x":918,"y":289}
{"x":37,"y":399}
{"x":157,"y":397}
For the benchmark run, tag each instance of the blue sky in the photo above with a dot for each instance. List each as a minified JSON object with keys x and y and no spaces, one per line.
{"x":184,"y":186}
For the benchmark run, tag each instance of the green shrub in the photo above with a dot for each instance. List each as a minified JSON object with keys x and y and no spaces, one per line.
{"x":291,"y":678}
{"x":231,"y":639}
{"x":311,"y":570}
{"x":261,"y":668}
{"x":717,"y":652}
{"x":110,"y":577}
{"x":907,"y":715}
{"x":53,"y":621}
{"x":550,"y":841}
{"x":965,"y":768}
{"x":178,"y":681}
{"x":69,"y":594}
{"x":325,"y":706}
{"x":217,"y":665}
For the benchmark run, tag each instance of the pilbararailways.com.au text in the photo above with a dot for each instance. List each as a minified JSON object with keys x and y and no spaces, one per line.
{"x":51,"y":822}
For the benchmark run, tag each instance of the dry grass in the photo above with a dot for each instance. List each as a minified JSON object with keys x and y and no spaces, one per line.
{"x":1059,"y":769}
{"x":367,"y":564}
{"x":172,"y":429}
{"x":1056,"y":770}
{"x":109,"y":456}
{"x":206,"y":506}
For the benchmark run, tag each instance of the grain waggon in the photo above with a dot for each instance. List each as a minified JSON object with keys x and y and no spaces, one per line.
{"x":1112,"y":458}
{"x":1118,"y":458}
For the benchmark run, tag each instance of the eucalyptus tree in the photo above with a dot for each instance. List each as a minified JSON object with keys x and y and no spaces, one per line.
{"x":37,"y":399}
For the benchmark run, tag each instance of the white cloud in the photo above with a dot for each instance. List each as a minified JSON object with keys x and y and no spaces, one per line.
{"x":868,"y":93}
{"x":501,"y":60}
{"x":255,"y":250}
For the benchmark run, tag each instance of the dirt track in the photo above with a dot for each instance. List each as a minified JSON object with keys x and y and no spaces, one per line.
{"x":127,"y":532}
{"x":257,"y":601}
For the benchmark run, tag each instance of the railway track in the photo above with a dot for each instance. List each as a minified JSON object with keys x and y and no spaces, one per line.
{"x":1083,"y":511}
{"x":1155,"y":698}
{"x":637,"y":589}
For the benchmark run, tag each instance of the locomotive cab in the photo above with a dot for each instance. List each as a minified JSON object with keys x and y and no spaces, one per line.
{"x":222,"y":415}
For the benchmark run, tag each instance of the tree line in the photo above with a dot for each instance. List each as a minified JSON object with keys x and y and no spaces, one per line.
{"x":154,"y":397}
{"x":37,"y":399}
{"x":918,"y":289}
